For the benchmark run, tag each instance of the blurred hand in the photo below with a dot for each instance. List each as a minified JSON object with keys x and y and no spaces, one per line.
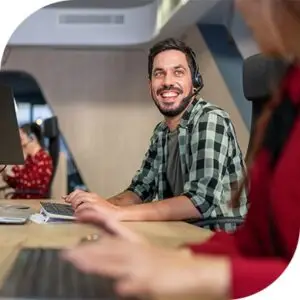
{"x":142,"y":269}
{"x":106,"y":219}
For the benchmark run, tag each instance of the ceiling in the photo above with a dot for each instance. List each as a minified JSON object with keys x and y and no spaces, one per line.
{"x":108,"y":4}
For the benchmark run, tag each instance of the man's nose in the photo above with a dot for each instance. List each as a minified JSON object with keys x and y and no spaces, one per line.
{"x":168,"y":79}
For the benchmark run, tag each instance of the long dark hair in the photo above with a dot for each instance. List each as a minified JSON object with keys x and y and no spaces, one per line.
{"x":264,"y":130}
{"x":271,"y":131}
{"x":34,"y":129}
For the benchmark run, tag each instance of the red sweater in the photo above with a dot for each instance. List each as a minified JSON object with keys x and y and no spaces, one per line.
{"x":263,"y":246}
{"x":35,"y":175}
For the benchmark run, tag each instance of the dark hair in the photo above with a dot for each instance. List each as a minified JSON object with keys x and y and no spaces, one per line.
{"x":172,"y":44}
{"x":35,"y":129}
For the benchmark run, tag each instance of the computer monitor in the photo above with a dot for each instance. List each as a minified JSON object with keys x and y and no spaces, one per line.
{"x":10,"y":145}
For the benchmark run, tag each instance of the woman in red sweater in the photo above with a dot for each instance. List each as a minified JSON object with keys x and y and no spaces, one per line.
{"x":31,"y":180}
{"x":247,"y":261}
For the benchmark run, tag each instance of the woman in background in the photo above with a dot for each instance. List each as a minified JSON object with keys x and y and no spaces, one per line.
{"x":31,"y":180}
{"x":245,"y":262}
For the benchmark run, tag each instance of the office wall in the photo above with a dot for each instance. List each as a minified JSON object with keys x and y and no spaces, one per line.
{"x":101,"y":99}
{"x":242,"y":36}
{"x":230,"y":63}
{"x":105,"y":112}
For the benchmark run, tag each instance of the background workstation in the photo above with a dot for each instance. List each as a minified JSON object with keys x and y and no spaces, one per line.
{"x":98,"y":88}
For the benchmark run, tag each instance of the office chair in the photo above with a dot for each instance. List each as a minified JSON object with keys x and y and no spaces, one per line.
{"x":50,"y":132}
{"x":261,"y":76}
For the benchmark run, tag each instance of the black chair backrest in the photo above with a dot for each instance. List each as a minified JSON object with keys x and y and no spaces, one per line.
{"x":51,"y":133}
{"x":261,"y":76}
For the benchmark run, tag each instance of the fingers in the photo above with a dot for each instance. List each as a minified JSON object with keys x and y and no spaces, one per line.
{"x":69,"y":198}
{"x":90,"y":216}
{"x":77,"y":197}
{"x":98,"y":258}
{"x":129,"y":286}
{"x":91,"y":213}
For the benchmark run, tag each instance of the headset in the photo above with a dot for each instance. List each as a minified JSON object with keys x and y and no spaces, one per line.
{"x":196,"y":76}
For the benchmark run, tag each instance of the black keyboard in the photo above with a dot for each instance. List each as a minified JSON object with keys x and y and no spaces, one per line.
{"x":58,"y":209}
{"x":42,"y":274}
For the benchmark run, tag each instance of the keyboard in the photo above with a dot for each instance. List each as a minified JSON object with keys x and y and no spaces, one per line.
{"x":58,"y":210}
{"x":40,"y":273}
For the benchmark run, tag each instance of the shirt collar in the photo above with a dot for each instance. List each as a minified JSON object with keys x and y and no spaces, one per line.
{"x":190,"y":112}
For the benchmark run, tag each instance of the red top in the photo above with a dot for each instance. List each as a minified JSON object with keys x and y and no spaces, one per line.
{"x":263,"y":246}
{"x":34,"y":175}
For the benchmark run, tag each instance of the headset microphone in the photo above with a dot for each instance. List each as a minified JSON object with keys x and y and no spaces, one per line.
{"x":188,"y":98}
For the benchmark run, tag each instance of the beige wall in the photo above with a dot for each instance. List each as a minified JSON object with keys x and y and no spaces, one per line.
{"x":104,"y":110}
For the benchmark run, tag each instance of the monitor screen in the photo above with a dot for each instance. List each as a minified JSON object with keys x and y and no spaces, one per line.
{"x":10,"y":144}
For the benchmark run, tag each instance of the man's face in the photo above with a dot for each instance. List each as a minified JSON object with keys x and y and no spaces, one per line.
{"x":171,"y":82}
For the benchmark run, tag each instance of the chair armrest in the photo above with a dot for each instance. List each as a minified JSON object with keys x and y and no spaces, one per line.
{"x":212,"y":222}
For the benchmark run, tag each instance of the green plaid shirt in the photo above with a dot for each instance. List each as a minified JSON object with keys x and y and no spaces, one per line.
{"x":211,"y":162}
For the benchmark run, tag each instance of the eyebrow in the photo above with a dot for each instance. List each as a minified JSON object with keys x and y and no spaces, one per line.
{"x":176,"y":68}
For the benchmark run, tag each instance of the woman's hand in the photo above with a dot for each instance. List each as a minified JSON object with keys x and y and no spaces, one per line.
{"x":142,"y":269}
{"x":98,"y":215}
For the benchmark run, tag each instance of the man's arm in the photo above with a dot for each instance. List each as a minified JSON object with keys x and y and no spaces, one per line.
{"x":172,"y":209}
{"x":210,"y":144}
{"x":125,"y":199}
{"x":203,"y":190}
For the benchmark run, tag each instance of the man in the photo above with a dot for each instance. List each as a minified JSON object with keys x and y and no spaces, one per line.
{"x":194,"y":163}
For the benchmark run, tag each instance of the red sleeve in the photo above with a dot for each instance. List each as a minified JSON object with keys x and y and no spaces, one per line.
{"x":35,"y":175}
{"x":243,"y":241}
{"x":12,"y":180}
{"x":219,"y":243}
{"x":261,"y":273}
{"x":39,"y":176}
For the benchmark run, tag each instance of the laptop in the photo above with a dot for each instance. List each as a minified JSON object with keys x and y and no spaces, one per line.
{"x":14,"y":214}
{"x":40,"y":273}
{"x":10,"y":153}
{"x":10,"y":150}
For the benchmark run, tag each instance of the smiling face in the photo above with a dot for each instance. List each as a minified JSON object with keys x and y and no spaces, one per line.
{"x":171,"y":82}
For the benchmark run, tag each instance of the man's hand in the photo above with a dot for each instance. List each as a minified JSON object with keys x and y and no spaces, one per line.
{"x":79,"y":197}
{"x":142,"y":269}
{"x":82,"y":201}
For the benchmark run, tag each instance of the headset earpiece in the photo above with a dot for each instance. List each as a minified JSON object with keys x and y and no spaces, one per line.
{"x":196,"y":76}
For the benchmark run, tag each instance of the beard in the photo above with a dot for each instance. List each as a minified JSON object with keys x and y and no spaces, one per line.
{"x":175,"y":111}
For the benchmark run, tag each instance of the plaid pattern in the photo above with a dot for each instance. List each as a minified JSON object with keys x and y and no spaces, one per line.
{"x":211,"y":162}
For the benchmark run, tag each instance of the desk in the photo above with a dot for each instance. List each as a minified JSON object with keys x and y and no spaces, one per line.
{"x":14,"y":237}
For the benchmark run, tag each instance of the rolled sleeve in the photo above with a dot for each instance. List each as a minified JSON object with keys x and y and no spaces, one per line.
{"x":209,"y":147}
{"x":143,"y":183}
